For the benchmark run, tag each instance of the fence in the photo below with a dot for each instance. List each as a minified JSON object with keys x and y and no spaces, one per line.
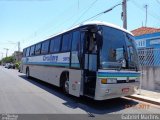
{"x":149,"y":57}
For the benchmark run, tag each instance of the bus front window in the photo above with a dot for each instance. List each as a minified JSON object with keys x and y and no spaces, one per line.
{"x":114,"y":53}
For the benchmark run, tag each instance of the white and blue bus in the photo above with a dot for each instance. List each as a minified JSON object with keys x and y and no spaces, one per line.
{"x":94,"y":59}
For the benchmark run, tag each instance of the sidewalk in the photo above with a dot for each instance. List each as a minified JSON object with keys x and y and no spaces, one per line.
{"x":147,"y":96}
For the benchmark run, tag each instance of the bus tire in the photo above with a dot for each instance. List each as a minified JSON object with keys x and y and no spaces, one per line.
{"x":27,"y":73}
{"x":65,"y":83}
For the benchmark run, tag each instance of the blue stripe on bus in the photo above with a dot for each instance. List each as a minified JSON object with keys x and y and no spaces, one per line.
{"x":52,"y":64}
{"x":47,"y":63}
{"x":117,"y":74}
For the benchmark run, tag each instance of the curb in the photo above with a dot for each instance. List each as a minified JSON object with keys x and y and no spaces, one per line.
{"x":144,"y":99}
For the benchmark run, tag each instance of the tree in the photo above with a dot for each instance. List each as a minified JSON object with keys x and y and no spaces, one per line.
{"x":8,"y":59}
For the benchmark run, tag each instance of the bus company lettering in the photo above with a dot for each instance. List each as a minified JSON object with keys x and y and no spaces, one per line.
{"x":65,"y":58}
{"x":51,"y":58}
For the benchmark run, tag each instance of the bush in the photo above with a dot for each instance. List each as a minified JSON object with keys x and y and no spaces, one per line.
{"x":17,"y":64}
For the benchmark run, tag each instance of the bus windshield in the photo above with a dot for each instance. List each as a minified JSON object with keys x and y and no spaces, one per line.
{"x":117,"y":50}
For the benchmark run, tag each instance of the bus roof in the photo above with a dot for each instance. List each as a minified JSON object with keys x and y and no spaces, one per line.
{"x":106,"y":24}
{"x":94,"y":23}
{"x":89,"y":23}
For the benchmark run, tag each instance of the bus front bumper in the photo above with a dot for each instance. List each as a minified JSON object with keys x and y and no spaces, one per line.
{"x":108,"y":91}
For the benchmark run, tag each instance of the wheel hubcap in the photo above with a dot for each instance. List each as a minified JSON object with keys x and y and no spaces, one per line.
{"x":66,"y":85}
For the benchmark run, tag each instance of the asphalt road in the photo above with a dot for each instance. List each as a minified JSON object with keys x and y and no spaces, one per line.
{"x":19,"y":95}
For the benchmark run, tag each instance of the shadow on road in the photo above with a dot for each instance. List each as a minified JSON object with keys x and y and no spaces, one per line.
{"x":84,"y":103}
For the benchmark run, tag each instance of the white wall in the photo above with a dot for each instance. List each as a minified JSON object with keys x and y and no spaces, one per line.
{"x":150,"y":78}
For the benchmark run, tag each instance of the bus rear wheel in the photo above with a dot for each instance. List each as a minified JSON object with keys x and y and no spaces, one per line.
{"x":27,"y":73}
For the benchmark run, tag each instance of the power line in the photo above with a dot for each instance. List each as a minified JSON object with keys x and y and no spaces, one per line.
{"x":57,"y":26}
{"x":62,"y":23}
{"x":5,"y":43}
{"x":96,"y":14}
{"x":158,"y":1}
{"x":91,"y":5}
{"x":33,"y":35}
{"x":47,"y":25}
{"x":138,"y":6}
{"x":108,"y":10}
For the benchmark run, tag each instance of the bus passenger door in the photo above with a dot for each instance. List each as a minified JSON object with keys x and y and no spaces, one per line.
{"x":90,"y":64}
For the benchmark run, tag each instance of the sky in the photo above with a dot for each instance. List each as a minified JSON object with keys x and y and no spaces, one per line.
{"x":31,"y":21}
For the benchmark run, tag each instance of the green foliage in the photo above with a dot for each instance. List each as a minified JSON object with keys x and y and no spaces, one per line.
{"x":9,"y":59}
{"x":17,"y":64}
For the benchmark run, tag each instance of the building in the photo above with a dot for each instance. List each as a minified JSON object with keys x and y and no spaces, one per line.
{"x":17,"y":56}
{"x":147,"y":37}
{"x":148,"y":44}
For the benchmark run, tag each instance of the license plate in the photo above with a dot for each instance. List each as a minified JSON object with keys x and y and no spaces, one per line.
{"x":125,"y":90}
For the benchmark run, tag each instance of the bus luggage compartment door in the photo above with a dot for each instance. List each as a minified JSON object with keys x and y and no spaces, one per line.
{"x":75,"y":82}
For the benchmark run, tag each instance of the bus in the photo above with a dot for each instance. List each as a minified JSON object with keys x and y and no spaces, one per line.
{"x":95,"y":59}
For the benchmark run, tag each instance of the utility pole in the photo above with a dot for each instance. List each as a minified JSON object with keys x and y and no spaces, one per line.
{"x":19,"y":47}
{"x":2,"y":59}
{"x":2,"y":55}
{"x":18,"y":44}
{"x":146,"y":7}
{"x":6,"y":51}
{"x":124,"y":13}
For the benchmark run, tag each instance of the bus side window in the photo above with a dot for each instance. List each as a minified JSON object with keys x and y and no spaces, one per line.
{"x":55,"y":44}
{"x":45,"y":47}
{"x":27,"y":52}
{"x":38,"y":49}
{"x":75,"y":52}
{"x":76,"y":41}
{"x":24,"y":52}
{"x":32,"y":51}
{"x":66,"y":42}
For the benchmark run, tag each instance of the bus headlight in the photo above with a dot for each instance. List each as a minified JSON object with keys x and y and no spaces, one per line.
{"x":108,"y":80}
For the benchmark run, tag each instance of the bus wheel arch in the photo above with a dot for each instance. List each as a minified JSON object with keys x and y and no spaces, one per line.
{"x":64,"y":81}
